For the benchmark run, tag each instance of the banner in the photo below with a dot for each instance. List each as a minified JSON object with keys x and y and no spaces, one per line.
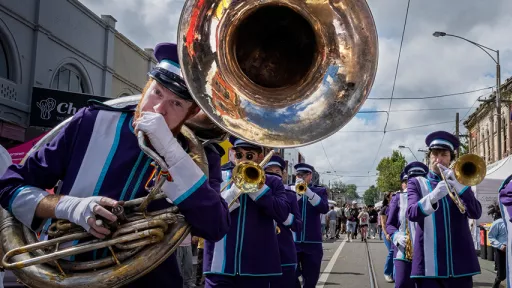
{"x":50,"y":107}
{"x":18,"y":153}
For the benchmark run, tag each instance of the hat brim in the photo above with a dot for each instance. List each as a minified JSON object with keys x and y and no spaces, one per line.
{"x":171,"y":81}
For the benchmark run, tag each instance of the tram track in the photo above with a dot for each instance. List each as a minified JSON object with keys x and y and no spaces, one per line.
{"x":371,"y":269}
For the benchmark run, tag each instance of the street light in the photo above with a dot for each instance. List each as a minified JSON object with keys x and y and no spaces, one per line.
{"x":426,"y":157}
{"x":498,"y":79}
{"x":403,"y":147}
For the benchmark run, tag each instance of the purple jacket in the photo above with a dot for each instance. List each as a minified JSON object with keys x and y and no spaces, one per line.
{"x":311,"y":231}
{"x":285,"y":238}
{"x":505,"y":197}
{"x":395,"y":224}
{"x":97,"y":153}
{"x":250,"y":248}
{"x":443,"y":246}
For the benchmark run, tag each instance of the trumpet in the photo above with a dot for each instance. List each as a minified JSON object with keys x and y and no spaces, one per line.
{"x":248,"y":177}
{"x":301,"y":188}
{"x":469,"y":170}
{"x":408,"y":241}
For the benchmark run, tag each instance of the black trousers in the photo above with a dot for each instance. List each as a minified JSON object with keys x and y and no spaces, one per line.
{"x":500,"y":259}
{"x":199,"y":267}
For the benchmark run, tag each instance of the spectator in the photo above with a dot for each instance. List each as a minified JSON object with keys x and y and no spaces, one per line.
{"x":374,"y":216}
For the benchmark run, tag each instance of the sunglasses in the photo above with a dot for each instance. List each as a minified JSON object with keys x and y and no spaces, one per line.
{"x":248,"y":155}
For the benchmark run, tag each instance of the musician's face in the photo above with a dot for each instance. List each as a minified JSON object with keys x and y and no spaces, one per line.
{"x":175,"y":110}
{"x":242,"y":155}
{"x":306,"y":176}
{"x":439,"y":156}
{"x":275,"y":169}
{"x":404,"y":185}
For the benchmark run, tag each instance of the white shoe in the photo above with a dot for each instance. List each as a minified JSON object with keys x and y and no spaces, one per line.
{"x":388,"y":279}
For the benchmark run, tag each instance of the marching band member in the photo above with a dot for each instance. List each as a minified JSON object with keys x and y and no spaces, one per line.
{"x":287,"y":250}
{"x":98,"y":158}
{"x":505,"y":197}
{"x":309,"y":240}
{"x":396,"y":225}
{"x":443,"y":249}
{"x":248,"y":256}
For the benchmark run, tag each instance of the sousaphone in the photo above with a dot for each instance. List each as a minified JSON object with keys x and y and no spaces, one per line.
{"x":273,"y":72}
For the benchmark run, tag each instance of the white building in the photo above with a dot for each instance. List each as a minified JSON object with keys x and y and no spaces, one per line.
{"x":61,"y":45}
{"x":292,"y":156}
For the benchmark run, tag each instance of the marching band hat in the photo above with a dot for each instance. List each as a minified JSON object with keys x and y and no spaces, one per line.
{"x":442,"y":140}
{"x":403,"y":176}
{"x":237,"y":142}
{"x":416,"y":168}
{"x":303,"y":167}
{"x":168,"y":72}
{"x":276,"y":160}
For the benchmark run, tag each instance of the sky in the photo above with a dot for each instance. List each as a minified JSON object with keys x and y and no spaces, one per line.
{"x":429,"y":66}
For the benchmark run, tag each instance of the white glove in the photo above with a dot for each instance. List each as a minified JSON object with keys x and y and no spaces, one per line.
{"x":160,"y":136}
{"x":401,"y":239}
{"x":229,"y":195}
{"x":308,"y":193}
{"x":82,"y":211}
{"x":439,"y":192}
{"x":450,"y":178}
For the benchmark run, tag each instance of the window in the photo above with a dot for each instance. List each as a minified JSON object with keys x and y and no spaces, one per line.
{"x":68,"y":79}
{"x":4,"y":63}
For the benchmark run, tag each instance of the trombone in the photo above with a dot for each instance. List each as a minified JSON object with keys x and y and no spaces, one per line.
{"x":469,"y":170}
{"x":248,"y":177}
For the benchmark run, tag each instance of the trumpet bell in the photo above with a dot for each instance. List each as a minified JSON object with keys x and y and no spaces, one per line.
{"x":301,"y":188}
{"x":470,"y":169}
{"x":248,"y":177}
{"x":278,"y":73}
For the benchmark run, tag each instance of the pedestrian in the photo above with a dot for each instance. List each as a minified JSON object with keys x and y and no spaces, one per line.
{"x":332,"y":217}
{"x":184,"y":258}
{"x":498,"y":238}
{"x":324,"y":225}
{"x":364,"y":219}
{"x":388,"y":265}
{"x":374,"y":216}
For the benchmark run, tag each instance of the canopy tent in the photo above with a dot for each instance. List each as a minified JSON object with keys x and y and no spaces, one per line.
{"x":378,"y":204}
{"x":487,"y":191}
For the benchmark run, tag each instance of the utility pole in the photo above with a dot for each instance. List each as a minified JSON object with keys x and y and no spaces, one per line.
{"x":457,"y":132}
{"x":498,"y":101}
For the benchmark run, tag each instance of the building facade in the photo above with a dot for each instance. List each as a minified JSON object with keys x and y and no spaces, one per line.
{"x":292,"y":157}
{"x":482,"y":127}
{"x":131,"y":67}
{"x":60,"y":45}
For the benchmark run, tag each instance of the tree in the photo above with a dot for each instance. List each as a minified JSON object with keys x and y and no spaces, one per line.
{"x":464,"y":146}
{"x":340,"y":191}
{"x":371,"y":195}
{"x":351,"y":192}
{"x":389,"y":171}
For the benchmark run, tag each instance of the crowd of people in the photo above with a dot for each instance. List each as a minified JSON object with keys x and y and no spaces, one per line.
{"x":353,"y":220}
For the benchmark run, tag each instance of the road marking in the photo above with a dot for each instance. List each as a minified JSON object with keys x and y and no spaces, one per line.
{"x":328,"y":268}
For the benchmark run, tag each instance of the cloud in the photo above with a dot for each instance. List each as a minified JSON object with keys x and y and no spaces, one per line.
{"x":428,"y":66}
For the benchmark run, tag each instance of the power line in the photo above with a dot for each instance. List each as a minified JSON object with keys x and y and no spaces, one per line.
{"x":413,"y":127}
{"x":328,"y":160}
{"x":415,"y":110}
{"x":397,"y":64}
{"x":432,"y":97}
{"x":394,"y":82}
{"x":399,"y":129}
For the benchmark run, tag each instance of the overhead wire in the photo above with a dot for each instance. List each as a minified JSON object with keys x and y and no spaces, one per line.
{"x":394,"y":82}
{"x":431,"y":97}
